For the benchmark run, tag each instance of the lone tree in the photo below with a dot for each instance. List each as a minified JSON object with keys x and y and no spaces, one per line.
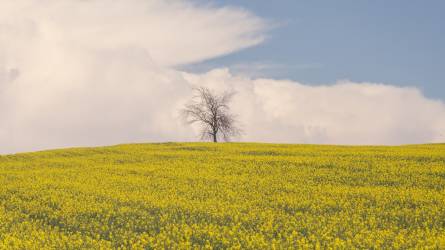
{"x":213,"y":114}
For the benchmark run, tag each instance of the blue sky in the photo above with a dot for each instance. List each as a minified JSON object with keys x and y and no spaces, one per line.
{"x":319,"y":42}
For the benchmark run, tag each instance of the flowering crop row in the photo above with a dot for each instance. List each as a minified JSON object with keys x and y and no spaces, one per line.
{"x":248,"y":196}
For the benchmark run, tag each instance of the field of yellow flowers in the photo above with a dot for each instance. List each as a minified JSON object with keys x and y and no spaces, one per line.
{"x":249,"y":196}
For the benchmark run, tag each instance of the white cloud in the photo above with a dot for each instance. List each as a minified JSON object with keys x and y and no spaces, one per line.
{"x":344,"y":113}
{"x":171,"y":32}
{"x":85,"y":73}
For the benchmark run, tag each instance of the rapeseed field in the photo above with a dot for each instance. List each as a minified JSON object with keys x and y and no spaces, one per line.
{"x":241,"y":196}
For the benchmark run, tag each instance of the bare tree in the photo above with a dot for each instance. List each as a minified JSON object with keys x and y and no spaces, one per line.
{"x":213,"y":114}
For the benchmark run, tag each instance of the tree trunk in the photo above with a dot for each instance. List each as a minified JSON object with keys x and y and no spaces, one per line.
{"x":214,"y":138}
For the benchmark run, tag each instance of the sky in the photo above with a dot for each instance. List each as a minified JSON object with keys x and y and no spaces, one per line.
{"x":317,"y":42}
{"x":99,"y":72}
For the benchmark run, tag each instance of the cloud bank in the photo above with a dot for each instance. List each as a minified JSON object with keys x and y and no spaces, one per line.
{"x":343,"y":113}
{"x":86,"y":73}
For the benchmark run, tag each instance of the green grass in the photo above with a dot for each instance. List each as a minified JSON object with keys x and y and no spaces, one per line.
{"x":185,"y":195}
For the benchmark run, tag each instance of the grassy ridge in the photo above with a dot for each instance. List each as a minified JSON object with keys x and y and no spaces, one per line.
{"x":226,"y":195}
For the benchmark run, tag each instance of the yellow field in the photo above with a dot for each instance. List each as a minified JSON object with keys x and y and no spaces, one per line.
{"x":226,"y":195}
